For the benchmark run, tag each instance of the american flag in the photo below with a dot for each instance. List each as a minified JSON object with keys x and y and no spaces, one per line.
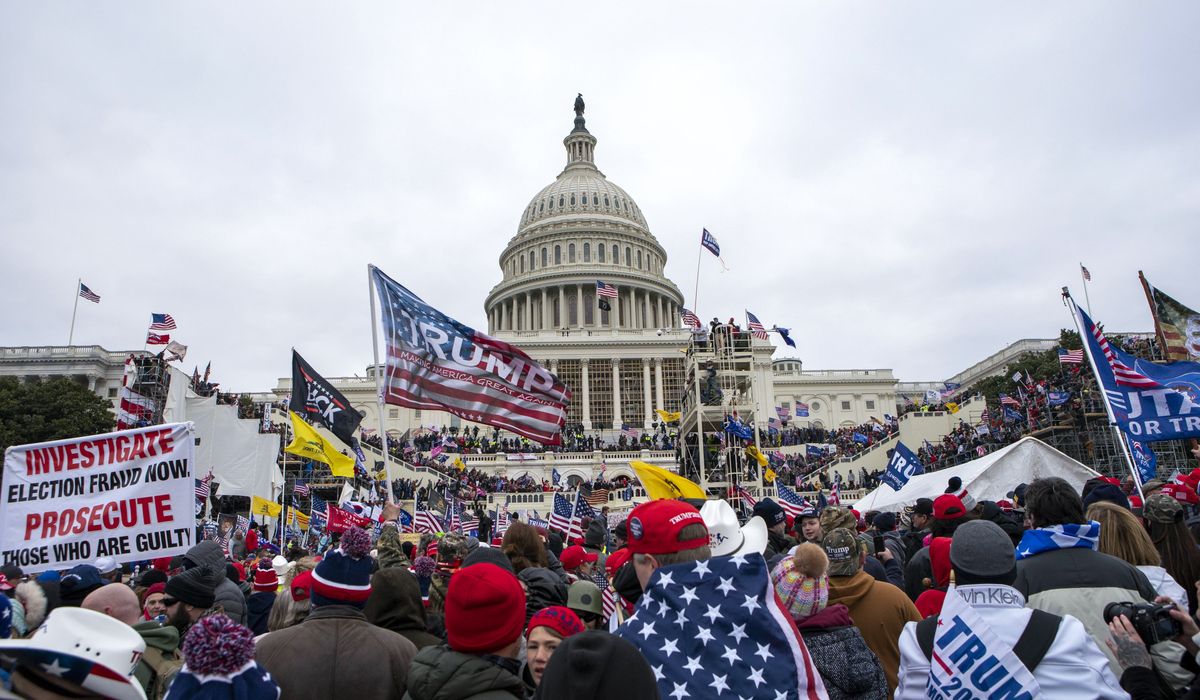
{"x":1007,"y":400}
{"x":985,"y":417}
{"x":501,"y":521}
{"x":156,"y":339}
{"x":560,"y":516}
{"x":202,"y":487}
{"x":88,"y":294}
{"x":629,"y":432}
{"x":162,"y":322}
{"x":427,"y":521}
{"x":609,"y":597}
{"x":709,"y":242}
{"x":468,"y":374}
{"x":690,"y":319}
{"x":747,"y":498}
{"x":790,"y":501}
{"x":1086,"y":275}
{"x":598,"y":497}
{"x":318,"y":507}
{"x":605,"y":290}
{"x":1122,"y":372}
{"x":835,"y":494}
{"x":756,"y":327}
{"x":733,"y":636}
{"x":1070,"y":357}
{"x":300,"y":489}
{"x":801,"y":409}
{"x":456,"y":508}
{"x":773,"y":422}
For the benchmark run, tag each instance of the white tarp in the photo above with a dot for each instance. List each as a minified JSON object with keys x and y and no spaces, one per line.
{"x":988,"y":478}
{"x":242,"y":460}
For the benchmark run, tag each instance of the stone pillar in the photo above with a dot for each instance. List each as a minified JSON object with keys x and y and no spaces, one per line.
{"x":658,"y":307}
{"x":528,"y":311}
{"x":579,"y":304}
{"x":584,"y":390}
{"x":646,"y":312}
{"x":92,"y":384}
{"x":646,"y":391}
{"x":545,"y":311}
{"x":658,"y":385}
{"x":616,"y":393}
{"x":562,"y":307}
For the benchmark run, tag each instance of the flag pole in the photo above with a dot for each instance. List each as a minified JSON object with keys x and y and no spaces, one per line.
{"x":1162,"y":341}
{"x":1112,"y":421}
{"x":1086,"y":298}
{"x":387,"y":467}
{"x":695,"y":294}
{"x":74,"y":311}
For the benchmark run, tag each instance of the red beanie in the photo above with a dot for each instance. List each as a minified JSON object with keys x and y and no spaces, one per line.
{"x":562,"y":620}
{"x":485,"y":609}
{"x":156,"y":588}
{"x":265,"y":581}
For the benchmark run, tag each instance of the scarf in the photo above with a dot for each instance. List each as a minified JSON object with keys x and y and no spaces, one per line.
{"x":1070,"y":536}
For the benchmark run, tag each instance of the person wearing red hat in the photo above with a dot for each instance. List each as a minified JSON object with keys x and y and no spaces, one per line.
{"x":260,"y":602}
{"x":948,"y":513}
{"x":154,"y":606}
{"x":546,"y":630}
{"x":485,"y":618}
{"x":665,"y":532}
{"x":578,"y":563}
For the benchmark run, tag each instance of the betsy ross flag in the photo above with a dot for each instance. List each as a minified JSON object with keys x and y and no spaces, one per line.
{"x":88,"y":294}
{"x":716,"y":628}
{"x":1070,"y":357}
{"x":690,"y":319}
{"x":161,"y":322}
{"x":156,"y":339}
{"x":437,"y":363}
{"x":605,"y":290}
{"x":756,"y":327}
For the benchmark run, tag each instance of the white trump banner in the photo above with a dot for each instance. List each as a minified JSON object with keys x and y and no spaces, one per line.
{"x":129,"y":495}
{"x":970,"y":661}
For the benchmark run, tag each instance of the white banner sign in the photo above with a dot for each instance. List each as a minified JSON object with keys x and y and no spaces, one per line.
{"x":128,"y":495}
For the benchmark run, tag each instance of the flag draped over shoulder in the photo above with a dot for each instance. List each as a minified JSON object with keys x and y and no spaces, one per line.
{"x":319,"y":402}
{"x":437,"y":363}
{"x":1178,"y":326}
{"x":660,"y":483}
{"x":309,"y":444}
{"x":265,"y":508}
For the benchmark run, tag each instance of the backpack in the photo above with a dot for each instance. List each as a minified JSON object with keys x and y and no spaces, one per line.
{"x":163,"y":669}
{"x":1031,"y":646}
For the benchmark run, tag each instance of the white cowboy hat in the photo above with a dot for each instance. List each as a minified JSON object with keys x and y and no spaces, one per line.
{"x":84,"y":647}
{"x":726,"y":537}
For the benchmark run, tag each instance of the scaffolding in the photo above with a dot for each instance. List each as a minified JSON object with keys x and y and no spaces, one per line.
{"x":721,"y":383}
{"x":151,"y":379}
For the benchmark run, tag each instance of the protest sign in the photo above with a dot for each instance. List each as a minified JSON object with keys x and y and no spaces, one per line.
{"x":129,"y":495}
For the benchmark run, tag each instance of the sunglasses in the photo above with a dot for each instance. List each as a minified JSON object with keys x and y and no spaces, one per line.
{"x":168,"y":602}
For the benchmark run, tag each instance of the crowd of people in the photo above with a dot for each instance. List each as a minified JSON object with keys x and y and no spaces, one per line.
{"x":1055,"y":591}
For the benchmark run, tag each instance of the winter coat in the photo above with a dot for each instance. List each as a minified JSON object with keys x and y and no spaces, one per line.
{"x":847,"y":665}
{"x":229,"y":596}
{"x":880,"y":611}
{"x":1073,"y":667}
{"x":543,"y":589}
{"x":918,"y":570}
{"x":438,"y":673}
{"x":335,"y":652}
{"x":895,"y":544}
{"x":164,"y":639}
{"x":777,"y":545}
{"x":1166,"y":654}
{"x":237,"y":548}
{"x":258,"y":610}
{"x":1080,"y":582}
{"x":395,"y":604}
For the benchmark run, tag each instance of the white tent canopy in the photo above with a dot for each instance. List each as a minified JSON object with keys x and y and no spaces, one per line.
{"x":988,"y":478}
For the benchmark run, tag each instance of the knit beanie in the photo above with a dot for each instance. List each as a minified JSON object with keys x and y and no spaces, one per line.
{"x":279,"y":564}
{"x":485,"y":609}
{"x":981,"y":552}
{"x":491,"y":555}
{"x":344,"y":576}
{"x":194,"y":587}
{"x":265,"y":581}
{"x":802,"y":581}
{"x":562,"y":620}
{"x":596,"y":665}
{"x":220,"y":664}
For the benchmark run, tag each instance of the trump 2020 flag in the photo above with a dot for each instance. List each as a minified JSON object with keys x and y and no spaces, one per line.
{"x":715,"y":628}
{"x":437,"y":363}
{"x":961,"y":639}
{"x":1143,"y":458}
{"x":903,"y":466}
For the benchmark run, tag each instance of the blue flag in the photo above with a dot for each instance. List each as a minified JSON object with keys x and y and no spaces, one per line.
{"x":901,"y":467}
{"x":860,"y":438}
{"x":737,"y":428}
{"x":1058,"y":398}
{"x":1010,"y":415}
{"x":406,"y":520}
{"x":555,"y":477}
{"x":1143,"y":458}
{"x":710,"y":243}
{"x":783,"y":333}
{"x":801,"y":410}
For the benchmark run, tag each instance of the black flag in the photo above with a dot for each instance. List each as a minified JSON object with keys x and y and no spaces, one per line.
{"x":604,"y":306}
{"x":315,"y":400}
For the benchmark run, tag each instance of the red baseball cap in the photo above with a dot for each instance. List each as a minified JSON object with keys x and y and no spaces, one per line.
{"x":615,"y":560}
{"x":575,"y":555}
{"x":654,"y":527}
{"x":948,"y":507}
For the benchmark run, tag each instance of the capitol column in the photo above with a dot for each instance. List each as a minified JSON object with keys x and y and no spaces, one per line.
{"x":587,"y":404}
{"x":545,"y":310}
{"x":649,"y":318}
{"x":562,"y":306}
{"x":658,"y":390}
{"x":579,"y":304}
{"x":662,"y":320}
{"x":616,"y":393}
{"x":646,"y":391}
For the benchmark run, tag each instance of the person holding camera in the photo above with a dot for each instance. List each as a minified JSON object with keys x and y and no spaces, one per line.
{"x":1137,"y":627}
{"x":1056,"y":649}
{"x":1059,"y":569}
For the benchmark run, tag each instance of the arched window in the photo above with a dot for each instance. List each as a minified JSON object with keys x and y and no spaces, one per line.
{"x":628,"y":256}
{"x":587,"y":252}
{"x":616,"y":255}
{"x":639,"y":259}
{"x":540,"y":206}
{"x":560,"y":201}
{"x":551,"y":199}
{"x":522,"y":263}
{"x":572,"y":199}
{"x":606,"y":200}
{"x":600,"y":251}
{"x":532,"y":258}
{"x":570,"y":252}
{"x":544,"y":257}
{"x":558,"y":255}
{"x":585,"y":199}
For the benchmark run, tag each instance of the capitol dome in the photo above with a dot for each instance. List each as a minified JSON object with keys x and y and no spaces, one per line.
{"x":580,"y":229}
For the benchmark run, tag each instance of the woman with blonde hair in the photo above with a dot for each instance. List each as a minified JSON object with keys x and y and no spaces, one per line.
{"x":1122,"y":536}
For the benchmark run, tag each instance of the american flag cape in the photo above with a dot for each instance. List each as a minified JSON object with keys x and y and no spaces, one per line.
{"x":437,"y":363}
{"x":715,"y":628}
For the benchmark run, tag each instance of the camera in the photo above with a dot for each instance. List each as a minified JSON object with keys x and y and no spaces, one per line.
{"x":1152,"y":621}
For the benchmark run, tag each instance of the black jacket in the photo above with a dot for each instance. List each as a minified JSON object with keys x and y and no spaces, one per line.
{"x":438,"y":673}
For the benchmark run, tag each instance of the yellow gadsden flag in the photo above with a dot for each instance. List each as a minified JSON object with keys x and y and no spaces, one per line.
{"x":668,"y":416}
{"x":952,"y":407}
{"x":753,"y":453}
{"x":309,"y":444}
{"x":265,"y":508}
{"x":660,"y":483}
{"x":458,"y":464}
{"x":769,"y":475}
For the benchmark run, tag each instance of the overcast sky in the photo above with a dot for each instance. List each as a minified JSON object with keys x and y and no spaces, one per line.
{"x":905,"y":185}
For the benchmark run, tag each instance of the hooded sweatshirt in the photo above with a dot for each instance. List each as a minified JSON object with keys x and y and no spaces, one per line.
{"x":208,"y":553}
{"x":395,"y":604}
{"x":164,"y":639}
{"x":880,"y":611}
{"x":439,"y":673}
